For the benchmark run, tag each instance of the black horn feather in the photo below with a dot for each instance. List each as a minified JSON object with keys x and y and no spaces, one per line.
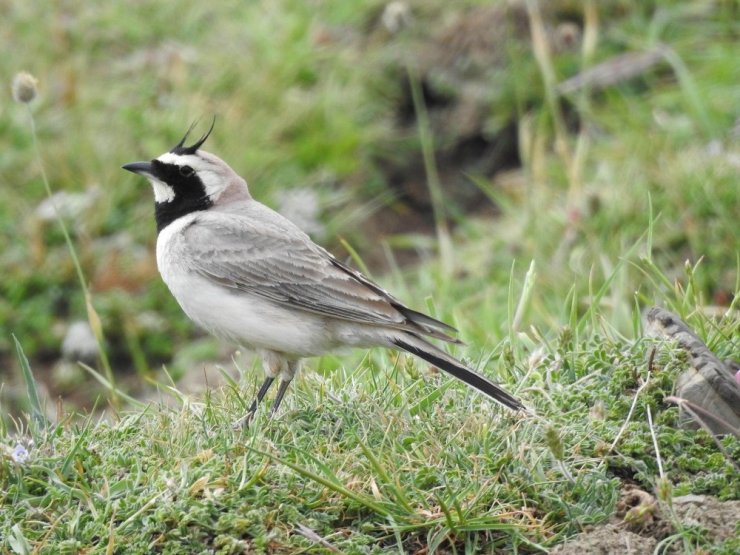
{"x":179,"y":148}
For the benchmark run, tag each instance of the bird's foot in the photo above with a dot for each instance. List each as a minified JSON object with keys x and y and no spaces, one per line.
{"x":244,"y":421}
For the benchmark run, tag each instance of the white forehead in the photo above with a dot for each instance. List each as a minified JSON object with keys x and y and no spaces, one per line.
{"x":196,"y":162}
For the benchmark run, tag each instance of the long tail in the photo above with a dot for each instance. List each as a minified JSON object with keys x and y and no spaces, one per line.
{"x":425,"y":350}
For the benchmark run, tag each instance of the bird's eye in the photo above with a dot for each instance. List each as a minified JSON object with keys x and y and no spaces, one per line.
{"x":186,"y":171}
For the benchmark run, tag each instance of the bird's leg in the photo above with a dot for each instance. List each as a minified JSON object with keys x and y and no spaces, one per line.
{"x":261,"y":394}
{"x":286,"y":376}
{"x":279,"y":397}
{"x":244,"y":421}
{"x":273,"y":364}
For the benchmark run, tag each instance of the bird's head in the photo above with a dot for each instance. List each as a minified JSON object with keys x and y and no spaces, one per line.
{"x":187,"y":179}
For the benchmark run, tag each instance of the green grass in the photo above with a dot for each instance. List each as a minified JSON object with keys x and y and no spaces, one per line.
{"x":372,"y":452}
{"x":383,"y":457}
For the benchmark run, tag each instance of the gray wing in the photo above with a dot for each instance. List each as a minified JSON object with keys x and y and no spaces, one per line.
{"x":277,"y":261}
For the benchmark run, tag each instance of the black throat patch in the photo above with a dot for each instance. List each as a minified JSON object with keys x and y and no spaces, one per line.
{"x":190,"y":194}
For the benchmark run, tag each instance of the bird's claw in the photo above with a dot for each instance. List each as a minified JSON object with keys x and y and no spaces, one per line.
{"x":244,"y":421}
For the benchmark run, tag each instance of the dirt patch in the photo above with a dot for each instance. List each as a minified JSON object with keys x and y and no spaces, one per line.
{"x":719,"y":518}
{"x":639,"y":524}
{"x":608,"y":539}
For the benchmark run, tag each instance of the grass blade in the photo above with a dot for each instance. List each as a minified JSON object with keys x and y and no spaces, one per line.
{"x":333,"y":485}
{"x":37,"y":413}
{"x":398,"y":493}
{"x":111,"y":387}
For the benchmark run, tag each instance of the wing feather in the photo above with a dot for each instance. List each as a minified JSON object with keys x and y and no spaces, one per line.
{"x":278,"y":262}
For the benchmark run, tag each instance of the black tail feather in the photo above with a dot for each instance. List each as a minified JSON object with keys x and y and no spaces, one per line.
{"x":426,"y":351}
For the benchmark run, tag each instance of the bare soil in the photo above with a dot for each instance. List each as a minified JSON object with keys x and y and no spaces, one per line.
{"x":640,"y":524}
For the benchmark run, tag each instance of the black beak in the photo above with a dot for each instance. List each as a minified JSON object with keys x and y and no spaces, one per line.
{"x":139,"y":167}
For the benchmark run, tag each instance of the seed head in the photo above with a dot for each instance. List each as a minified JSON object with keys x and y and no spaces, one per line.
{"x":554,"y":443}
{"x":25,"y":87}
{"x":396,"y":16}
{"x":665,"y":490}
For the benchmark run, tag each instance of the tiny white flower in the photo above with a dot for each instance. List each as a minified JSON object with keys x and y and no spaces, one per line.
{"x":20,"y":454}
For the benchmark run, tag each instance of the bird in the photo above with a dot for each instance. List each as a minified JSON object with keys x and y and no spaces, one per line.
{"x":248,"y":275}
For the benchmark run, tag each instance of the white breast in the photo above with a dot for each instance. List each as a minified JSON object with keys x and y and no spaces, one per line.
{"x":234,"y":315}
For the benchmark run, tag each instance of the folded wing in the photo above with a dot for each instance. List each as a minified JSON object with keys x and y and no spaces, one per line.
{"x":280,"y":263}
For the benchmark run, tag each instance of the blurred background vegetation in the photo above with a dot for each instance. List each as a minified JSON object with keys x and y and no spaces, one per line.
{"x":535,"y":173}
{"x":384,"y":126}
